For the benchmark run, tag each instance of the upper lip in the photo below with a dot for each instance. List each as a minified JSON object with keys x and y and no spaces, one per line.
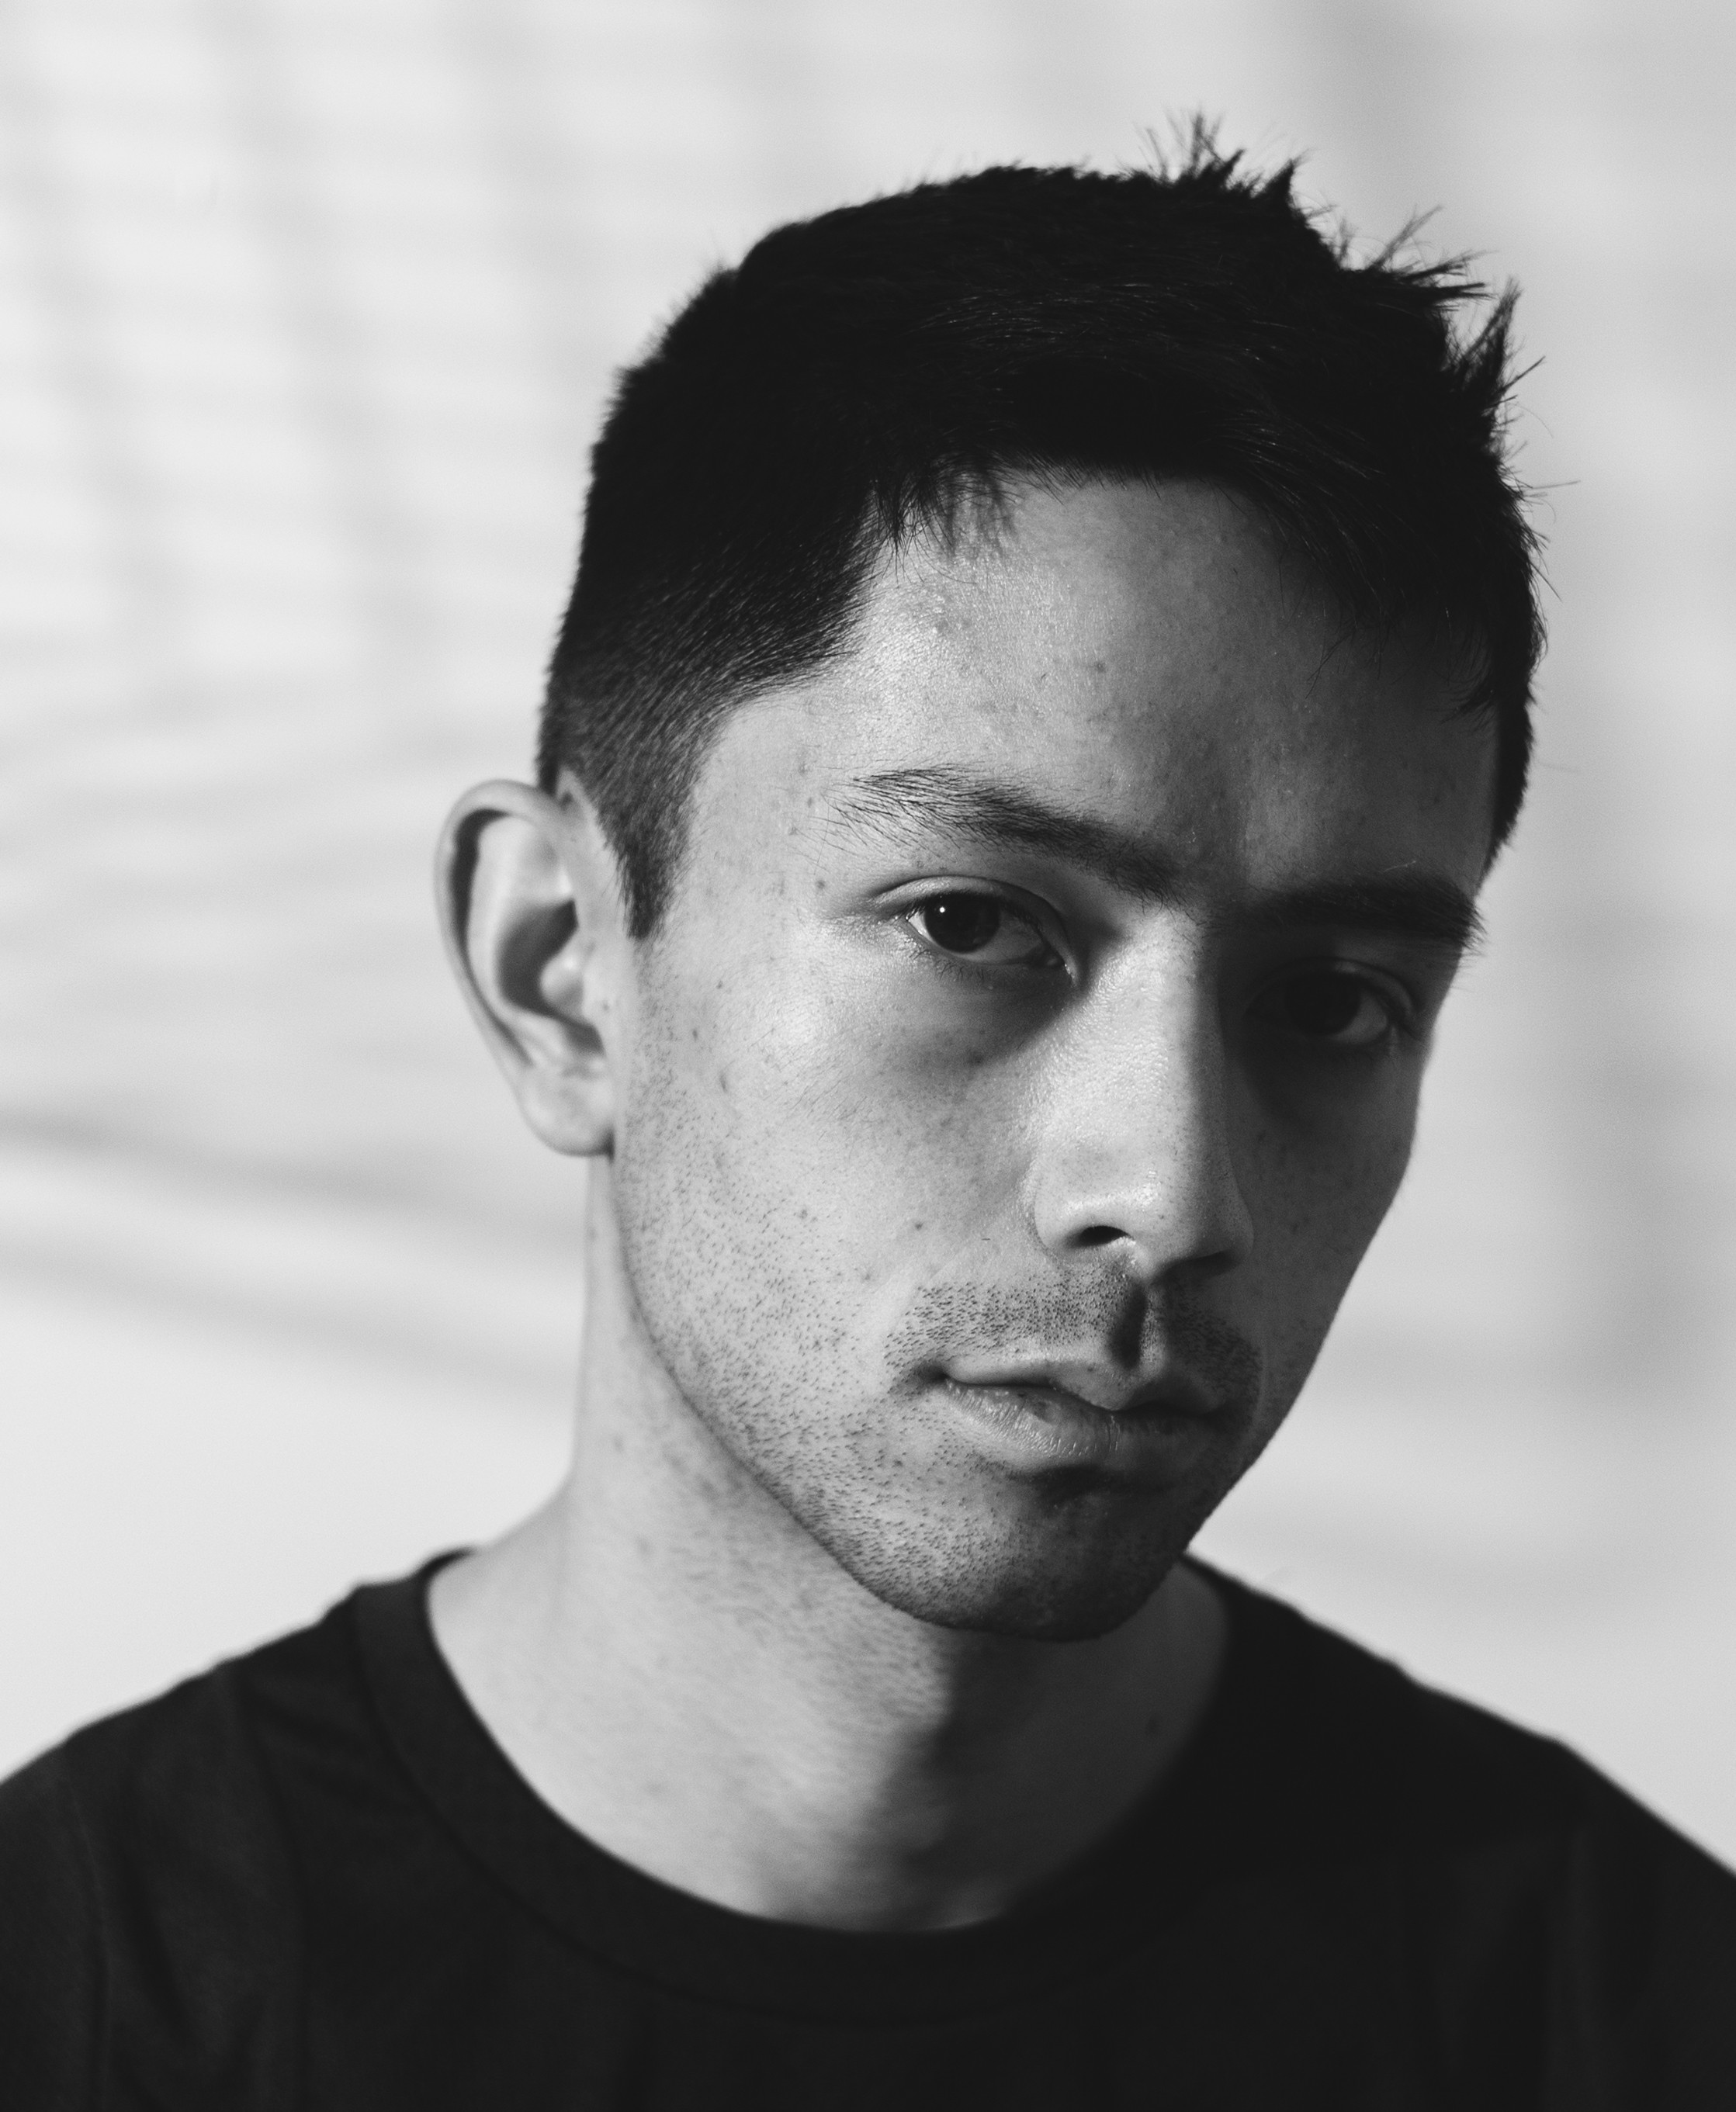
{"x":1114,"y":1393}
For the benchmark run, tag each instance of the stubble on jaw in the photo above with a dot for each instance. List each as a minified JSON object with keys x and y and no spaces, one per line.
{"x":868,"y":1462}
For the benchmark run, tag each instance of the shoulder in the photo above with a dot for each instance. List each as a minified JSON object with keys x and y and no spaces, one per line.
{"x":50,"y":1978}
{"x":1490,"y":1856}
{"x":1401,"y":1764}
{"x":149,"y":1888}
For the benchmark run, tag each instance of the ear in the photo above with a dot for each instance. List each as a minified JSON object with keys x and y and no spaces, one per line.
{"x":531,"y":909}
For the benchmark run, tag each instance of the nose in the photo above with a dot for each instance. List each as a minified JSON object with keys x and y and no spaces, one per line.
{"x":1136,"y":1144}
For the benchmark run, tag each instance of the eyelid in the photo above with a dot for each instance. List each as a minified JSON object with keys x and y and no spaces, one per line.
{"x":1385,"y":981}
{"x":1401,"y":1001}
{"x":903,"y":902}
{"x":914,"y":893}
{"x":1406,"y":1014}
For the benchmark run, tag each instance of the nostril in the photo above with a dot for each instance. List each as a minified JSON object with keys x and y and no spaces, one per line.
{"x":1098,"y":1236}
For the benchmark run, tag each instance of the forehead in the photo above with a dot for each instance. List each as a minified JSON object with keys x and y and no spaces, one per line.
{"x":1142,"y":655}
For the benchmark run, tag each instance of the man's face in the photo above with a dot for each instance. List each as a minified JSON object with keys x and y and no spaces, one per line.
{"x":1032,"y":1047}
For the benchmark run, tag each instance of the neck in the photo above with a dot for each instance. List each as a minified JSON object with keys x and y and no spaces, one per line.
{"x":681,"y":1671}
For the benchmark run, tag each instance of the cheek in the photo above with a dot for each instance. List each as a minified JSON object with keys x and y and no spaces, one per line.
{"x":1322,"y":1194}
{"x":794,"y":1145}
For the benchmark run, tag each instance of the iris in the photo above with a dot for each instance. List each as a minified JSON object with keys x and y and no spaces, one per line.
{"x":962,"y":923}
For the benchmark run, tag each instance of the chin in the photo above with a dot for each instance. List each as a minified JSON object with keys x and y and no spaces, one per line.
{"x":1038,"y":1587}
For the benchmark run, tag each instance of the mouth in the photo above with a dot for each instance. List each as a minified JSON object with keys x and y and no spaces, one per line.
{"x":1155,"y":1434}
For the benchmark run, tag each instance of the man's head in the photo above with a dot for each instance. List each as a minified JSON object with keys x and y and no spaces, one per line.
{"x":993,"y":937}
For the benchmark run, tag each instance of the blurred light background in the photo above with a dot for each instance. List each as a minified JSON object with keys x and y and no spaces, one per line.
{"x":310,"y":306}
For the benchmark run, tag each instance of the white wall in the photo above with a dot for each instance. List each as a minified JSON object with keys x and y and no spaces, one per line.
{"x":311,"y":309}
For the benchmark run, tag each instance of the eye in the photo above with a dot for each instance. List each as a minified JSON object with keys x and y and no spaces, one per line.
{"x":980,"y":928}
{"x":1332,"y":1008}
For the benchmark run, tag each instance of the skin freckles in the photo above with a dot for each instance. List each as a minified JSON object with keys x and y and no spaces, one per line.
{"x":981,"y":1146}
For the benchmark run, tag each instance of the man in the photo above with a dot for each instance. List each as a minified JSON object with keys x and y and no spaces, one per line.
{"x":1047,"y":676}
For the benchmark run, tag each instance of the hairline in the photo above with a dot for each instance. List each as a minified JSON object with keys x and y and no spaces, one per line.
{"x":979,"y":503}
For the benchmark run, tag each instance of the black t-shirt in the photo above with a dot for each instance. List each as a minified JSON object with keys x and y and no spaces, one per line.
{"x":310,"y":1878}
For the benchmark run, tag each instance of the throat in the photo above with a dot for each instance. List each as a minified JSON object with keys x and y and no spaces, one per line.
{"x":859,"y":1774}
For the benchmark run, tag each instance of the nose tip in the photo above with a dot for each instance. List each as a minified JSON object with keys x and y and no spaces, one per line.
{"x":1198,"y":1228}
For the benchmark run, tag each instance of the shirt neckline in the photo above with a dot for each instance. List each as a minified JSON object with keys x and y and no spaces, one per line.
{"x":1138,"y":1878}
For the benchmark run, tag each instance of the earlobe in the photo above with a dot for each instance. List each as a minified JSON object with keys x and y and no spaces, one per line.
{"x":529,"y":913}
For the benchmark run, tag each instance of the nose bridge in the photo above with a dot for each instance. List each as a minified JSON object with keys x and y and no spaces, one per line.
{"x":1137,"y":1142}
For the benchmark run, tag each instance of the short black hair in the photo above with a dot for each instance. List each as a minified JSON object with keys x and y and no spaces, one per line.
{"x":859,"y":376}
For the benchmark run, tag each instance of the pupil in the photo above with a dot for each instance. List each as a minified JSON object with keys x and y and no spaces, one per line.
{"x":962,"y":923}
{"x":1323,"y":1005}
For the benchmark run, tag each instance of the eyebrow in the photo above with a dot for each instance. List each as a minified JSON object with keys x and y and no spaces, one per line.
{"x":1403,"y":904}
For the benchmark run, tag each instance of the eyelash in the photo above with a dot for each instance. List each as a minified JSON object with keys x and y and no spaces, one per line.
{"x":1397,"y":1004}
{"x":965,"y":965}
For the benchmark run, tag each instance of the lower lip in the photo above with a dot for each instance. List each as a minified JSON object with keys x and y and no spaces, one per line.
{"x":1035,"y":1427}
